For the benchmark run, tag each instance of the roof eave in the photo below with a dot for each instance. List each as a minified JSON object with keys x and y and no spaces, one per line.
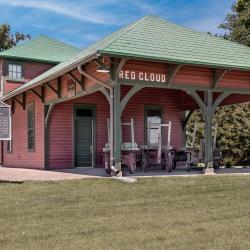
{"x":15,"y":92}
{"x":30,"y":59}
{"x":158,"y":59}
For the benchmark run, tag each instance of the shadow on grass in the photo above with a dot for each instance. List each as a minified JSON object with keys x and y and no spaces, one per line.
{"x":10,"y":182}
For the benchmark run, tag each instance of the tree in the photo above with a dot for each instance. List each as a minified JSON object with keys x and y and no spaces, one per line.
{"x":8,"y":40}
{"x":237,"y":23}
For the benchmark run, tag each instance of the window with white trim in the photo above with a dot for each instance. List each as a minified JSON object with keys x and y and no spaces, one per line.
{"x":15,"y":71}
{"x":153,"y":118}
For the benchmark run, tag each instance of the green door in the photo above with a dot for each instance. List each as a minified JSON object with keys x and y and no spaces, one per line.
{"x":84,"y":137}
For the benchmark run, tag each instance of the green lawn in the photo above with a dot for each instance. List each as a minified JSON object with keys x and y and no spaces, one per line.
{"x":154,"y":213}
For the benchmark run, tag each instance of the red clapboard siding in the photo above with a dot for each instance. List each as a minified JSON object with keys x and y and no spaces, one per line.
{"x":34,"y":69}
{"x":20,"y":157}
{"x":11,"y":86}
{"x":170,"y":101}
{"x":61,"y":134}
{"x":61,"y":130}
{"x":236,"y":80}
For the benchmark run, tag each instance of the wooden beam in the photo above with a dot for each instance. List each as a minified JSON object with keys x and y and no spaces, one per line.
{"x":119,"y":68}
{"x":58,"y":89}
{"x":75,"y":79}
{"x":23,"y":102}
{"x":197,"y":98}
{"x":217,"y":77}
{"x":40,"y":96}
{"x":129,"y":95}
{"x":172,"y":74}
{"x":51,"y":87}
{"x":220,"y":98}
{"x":106,"y":94}
{"x":187,"y":118}
{"x":95,"y":79}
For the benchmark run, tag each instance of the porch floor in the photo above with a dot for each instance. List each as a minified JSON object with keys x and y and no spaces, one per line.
{"x":21,"y":174}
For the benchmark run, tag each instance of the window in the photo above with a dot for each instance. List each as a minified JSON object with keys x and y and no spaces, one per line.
{"x":153,"y":118}
{"x":31,"y":126}
{"x":9,"y":146}
{"x":15,"y":71}
{"x":84,"y":112}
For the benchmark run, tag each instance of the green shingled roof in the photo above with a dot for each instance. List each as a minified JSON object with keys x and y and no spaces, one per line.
{"x":155,"y":39}
{"x":42,"y":48}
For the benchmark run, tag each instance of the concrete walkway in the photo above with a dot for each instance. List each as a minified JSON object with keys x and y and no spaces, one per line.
{"x":20,"y":174}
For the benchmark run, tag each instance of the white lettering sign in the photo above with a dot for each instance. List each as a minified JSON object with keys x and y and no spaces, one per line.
{"x":142,"y":76}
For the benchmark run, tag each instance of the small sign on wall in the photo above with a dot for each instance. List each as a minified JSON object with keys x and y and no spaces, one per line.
{"x":71,"y":89}
{"x":5,"y":121}
{"x":142,"y":76}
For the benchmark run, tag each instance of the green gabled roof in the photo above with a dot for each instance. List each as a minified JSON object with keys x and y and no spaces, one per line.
{"x":152,"y":38}
{"x":156,"y":39}
{"x":42,"y":48}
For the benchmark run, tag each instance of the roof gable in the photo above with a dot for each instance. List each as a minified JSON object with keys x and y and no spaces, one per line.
{"x":42,"y":48}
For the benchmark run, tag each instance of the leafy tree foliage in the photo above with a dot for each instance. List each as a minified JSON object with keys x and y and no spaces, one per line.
{"x":233,"y":122}
{"x":237,"y":23}
{"x":233,"y":132}
{"x":8,"y":40}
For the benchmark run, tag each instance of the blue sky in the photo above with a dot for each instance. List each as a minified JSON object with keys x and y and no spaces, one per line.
{"x":81,"y":22}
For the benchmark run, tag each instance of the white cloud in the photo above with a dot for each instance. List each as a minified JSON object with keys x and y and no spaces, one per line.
{"x":79,"y":11}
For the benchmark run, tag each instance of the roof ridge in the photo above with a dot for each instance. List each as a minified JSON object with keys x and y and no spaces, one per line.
{"x":125,"y":31}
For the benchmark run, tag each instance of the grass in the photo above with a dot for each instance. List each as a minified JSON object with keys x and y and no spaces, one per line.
{"x":154,"y":213}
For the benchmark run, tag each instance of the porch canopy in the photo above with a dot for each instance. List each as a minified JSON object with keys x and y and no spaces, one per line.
{"x":209,"y":71}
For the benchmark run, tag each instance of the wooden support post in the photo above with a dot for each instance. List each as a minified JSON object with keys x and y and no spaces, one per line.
{"x":208,"y":107}
{"x":208,"y":117}
{"x":117,"y":126}
{"x":114,"y":75}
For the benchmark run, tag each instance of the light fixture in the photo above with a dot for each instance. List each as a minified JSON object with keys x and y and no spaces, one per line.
{"x":102,"y":67}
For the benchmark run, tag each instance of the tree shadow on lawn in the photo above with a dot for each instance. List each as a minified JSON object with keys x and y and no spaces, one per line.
{"x":11,"y":182}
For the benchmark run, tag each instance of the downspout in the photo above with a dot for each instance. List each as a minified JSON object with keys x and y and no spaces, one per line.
{"x":111,"y":147}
